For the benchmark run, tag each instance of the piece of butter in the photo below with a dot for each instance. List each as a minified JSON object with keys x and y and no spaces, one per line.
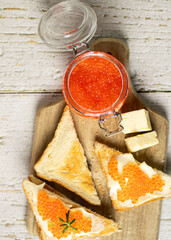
{"x":136,"y":121}
{"x":141,"y":141}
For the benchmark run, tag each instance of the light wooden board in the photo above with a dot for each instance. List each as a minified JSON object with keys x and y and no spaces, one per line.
{"x":16,"y":135}
{"x":138,"y":223}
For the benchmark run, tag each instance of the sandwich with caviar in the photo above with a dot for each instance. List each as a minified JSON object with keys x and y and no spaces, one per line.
{"x":58,"y":217}
{"x":130,"y":182}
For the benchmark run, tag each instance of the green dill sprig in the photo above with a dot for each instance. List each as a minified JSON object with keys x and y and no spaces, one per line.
{"x":67,"y":224}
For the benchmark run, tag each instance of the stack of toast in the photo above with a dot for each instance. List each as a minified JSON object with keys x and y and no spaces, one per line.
{"x":130,"y":184}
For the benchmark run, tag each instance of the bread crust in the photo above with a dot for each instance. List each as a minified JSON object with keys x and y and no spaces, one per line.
{"x":110,"y":225}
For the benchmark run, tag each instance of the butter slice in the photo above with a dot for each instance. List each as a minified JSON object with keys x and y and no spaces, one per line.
{"x":141,"y":141}
{"x":136,"y":121}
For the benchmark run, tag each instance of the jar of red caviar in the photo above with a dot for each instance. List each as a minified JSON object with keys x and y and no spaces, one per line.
{"x":95,"y":84}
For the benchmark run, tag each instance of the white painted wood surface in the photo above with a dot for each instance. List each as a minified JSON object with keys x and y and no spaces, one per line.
{"x":30,"y":74}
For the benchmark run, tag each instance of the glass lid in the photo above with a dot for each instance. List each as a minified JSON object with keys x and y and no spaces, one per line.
{"x":67,"y":24}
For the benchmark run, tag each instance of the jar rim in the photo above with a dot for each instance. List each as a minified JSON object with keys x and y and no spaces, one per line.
{"x":91,"y":113}
{"x":67,"y":24}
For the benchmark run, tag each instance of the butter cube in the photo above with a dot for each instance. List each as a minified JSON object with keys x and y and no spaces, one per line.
{"x":136,"y":121}
{"x":141,"y":141}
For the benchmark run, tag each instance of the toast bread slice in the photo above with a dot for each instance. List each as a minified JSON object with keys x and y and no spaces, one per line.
{"x":64,"y":161}
{"x":100,"y":226}
{"x":143,"y":183}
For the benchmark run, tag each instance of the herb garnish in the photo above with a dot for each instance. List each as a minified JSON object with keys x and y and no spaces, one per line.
{"x":67,"y":224}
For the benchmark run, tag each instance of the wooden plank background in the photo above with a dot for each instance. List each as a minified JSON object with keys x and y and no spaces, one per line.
{"x":30,"y":75}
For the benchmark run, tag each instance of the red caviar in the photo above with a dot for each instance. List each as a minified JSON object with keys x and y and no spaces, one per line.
{"x":133,"y":181}
{"x":95,"y":83}
{"x":55,"y":211}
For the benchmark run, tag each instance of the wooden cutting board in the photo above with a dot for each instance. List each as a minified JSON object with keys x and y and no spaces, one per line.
{"x":136,"y":224}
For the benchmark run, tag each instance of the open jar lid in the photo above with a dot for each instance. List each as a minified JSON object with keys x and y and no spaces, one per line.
{"x":67,"y":24}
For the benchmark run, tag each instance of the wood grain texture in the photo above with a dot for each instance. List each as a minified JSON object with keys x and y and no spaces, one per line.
{"x":144,"y":25}
{"x":26,"y":65}
{"x":138,"y":223}
{"x":17,"y":127}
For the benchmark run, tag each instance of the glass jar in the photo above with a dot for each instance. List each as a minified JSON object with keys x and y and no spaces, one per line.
{"x":95,"y":84}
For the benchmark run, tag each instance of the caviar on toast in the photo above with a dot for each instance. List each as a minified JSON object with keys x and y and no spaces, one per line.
{"x":130,"y":182}
{"x":59,"y":217}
